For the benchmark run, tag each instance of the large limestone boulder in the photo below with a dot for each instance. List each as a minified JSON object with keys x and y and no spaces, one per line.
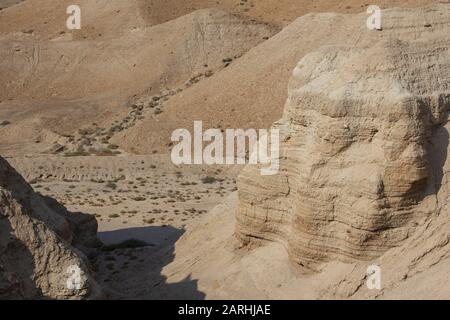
{"x":42,"y":244}
{"x":359,"y":172}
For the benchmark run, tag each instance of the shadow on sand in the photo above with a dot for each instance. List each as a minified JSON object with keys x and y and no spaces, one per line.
{"x":143,"y":279}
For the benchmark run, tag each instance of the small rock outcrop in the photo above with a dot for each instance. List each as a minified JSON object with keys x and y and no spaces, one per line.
{"x":359,"y":172}
{"x":42,"y":246}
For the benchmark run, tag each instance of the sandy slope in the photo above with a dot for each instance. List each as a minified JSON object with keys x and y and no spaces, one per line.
{"x":46,"y":19}
{"x":112,"y":17}
{"x":197,"y":42}
{"x":61,"y":86}
{"x":251,"y":92}
{"x":62,"y":83}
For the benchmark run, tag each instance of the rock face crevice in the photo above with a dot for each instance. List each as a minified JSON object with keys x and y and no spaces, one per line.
{"x":40,"y":243}
{"x":358,"y":171}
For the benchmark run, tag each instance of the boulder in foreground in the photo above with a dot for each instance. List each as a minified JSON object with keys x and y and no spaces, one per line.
{"x":42,"y":244}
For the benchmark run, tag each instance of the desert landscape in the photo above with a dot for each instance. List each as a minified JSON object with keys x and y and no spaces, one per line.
{"x":92,"y":205}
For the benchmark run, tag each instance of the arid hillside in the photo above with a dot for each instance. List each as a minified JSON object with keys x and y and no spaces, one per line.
{"x":58,"y":87}
{"x":86,"y":118}
{"x":59,"y":81}
{"x":114,"y":16}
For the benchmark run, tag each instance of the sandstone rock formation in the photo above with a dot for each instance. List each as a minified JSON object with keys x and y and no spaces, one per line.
{"x":41,"y":244}
{"x":365,"y":132}
{"x":359,"y":172}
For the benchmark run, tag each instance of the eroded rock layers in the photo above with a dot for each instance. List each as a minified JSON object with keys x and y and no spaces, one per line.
{"x":357,"y":171}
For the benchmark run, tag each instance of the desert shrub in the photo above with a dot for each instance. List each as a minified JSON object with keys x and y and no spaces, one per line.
{"x":78,"y":153}
{"x":113,"y":146}
{"x":127,"y":244}
{"x":103,"y":152}
{"x":111,"y":185}
{"x":208,"y":180}
{"x":120,"y":178}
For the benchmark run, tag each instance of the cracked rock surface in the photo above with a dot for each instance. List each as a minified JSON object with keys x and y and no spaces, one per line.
{"x":40,"y":243}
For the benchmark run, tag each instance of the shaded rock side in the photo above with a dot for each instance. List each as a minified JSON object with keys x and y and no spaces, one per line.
{"x":42,"y":244}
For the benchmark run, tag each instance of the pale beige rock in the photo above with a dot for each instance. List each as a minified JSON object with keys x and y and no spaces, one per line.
{"x":357,"y":175}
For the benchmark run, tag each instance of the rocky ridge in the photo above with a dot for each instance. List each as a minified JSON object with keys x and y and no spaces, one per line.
{"x":42,"y":244}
